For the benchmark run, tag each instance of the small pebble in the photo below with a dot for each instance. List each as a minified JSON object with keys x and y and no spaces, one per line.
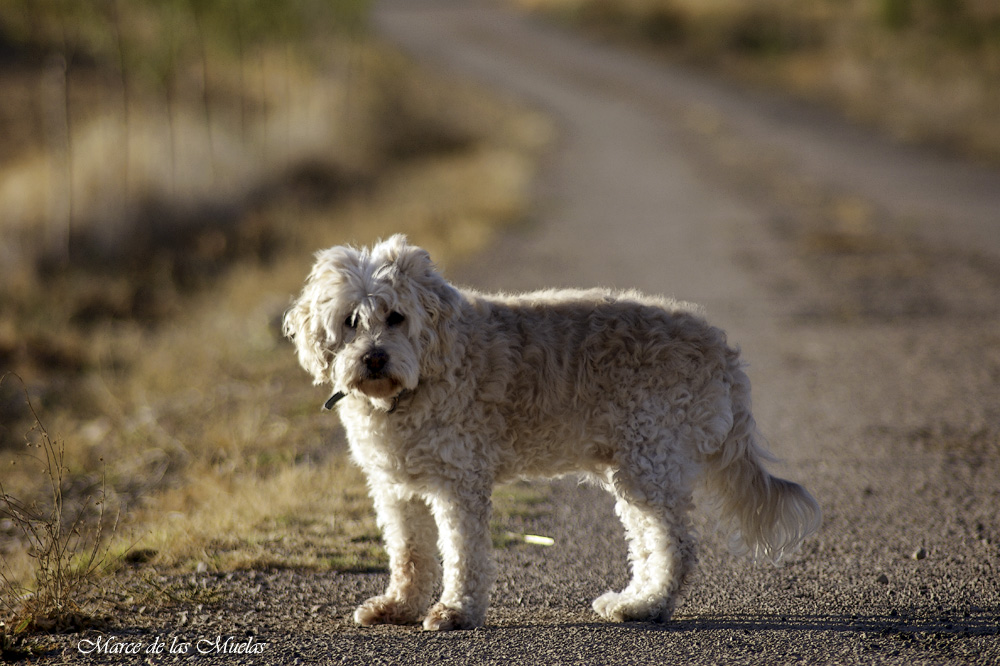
{"x":919,"y":554}
{"x":883,"y":579}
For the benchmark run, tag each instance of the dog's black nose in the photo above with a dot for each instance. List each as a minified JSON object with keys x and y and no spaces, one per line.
{"x":375,"y":359}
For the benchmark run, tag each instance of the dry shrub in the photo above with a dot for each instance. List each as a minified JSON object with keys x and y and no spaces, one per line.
{"x":68,"y":536}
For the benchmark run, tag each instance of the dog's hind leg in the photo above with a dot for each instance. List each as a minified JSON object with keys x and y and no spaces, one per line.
{"x":411,"y":542}
{"x":661,"y":554}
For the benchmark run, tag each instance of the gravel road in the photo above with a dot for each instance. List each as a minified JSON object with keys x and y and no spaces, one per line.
{"x":861,"y":279}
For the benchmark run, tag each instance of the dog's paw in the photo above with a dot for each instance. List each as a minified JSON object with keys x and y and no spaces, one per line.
{"x":385,"y":610}
{"x":446,"y":618}
{"x":604,"y":604}
{"x":619,"y":607}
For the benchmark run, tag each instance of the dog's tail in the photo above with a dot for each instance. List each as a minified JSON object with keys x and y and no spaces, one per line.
{"x":764,"y":515}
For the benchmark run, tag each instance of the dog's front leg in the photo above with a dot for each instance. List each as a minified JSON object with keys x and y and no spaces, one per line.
{"x":410,"y":540}
{"x":463,"y":519}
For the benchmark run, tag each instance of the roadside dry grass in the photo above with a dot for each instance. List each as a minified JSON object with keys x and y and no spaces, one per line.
{"x":924,"y":70}
{"x":156,"y":357}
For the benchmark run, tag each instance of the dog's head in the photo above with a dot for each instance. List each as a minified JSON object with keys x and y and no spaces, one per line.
{"x":366,"y":318}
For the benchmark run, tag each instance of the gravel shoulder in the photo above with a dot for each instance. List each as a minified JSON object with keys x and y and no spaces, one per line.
{"x":862,"y":281}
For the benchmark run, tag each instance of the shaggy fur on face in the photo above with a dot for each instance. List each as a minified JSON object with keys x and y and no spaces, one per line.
{"x":446,"y":392}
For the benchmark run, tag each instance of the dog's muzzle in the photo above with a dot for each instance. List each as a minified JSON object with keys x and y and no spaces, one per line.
{"x":377,"y":381}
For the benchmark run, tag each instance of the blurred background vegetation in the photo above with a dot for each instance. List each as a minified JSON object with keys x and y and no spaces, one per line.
{"x":926,"y":71}
{"x":167,"y":169}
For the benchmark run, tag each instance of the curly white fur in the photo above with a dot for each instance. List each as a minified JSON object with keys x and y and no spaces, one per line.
{"x":448,"y":392}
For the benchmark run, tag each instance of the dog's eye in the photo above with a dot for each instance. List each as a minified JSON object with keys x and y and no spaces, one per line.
{"x":351,"y":322}
{"x":394,"y":319}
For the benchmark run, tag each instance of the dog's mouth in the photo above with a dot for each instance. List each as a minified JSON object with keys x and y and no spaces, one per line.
{"x":380,"y":387}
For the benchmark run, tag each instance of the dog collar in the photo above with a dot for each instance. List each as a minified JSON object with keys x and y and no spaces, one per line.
{"x":334,"y":399}
{"x":395,"y":401}
{"x":339,"y":395}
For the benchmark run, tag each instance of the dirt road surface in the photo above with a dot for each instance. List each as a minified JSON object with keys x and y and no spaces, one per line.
{"x":861,"y":279}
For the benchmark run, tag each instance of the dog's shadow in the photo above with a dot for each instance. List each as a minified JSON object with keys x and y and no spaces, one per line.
{"x":983,"y":623}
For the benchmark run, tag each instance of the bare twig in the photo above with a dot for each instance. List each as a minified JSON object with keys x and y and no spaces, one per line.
{"x":67,"y":554}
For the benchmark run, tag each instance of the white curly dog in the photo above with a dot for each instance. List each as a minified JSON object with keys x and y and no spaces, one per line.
{"x":445,"y":392}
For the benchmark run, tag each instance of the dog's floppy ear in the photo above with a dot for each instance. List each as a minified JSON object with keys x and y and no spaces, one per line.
{"x":312,"y":323}
{"x":300,"y":326}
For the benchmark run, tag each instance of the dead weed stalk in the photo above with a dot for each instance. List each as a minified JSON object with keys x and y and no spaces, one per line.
{"x":69,"y":548}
